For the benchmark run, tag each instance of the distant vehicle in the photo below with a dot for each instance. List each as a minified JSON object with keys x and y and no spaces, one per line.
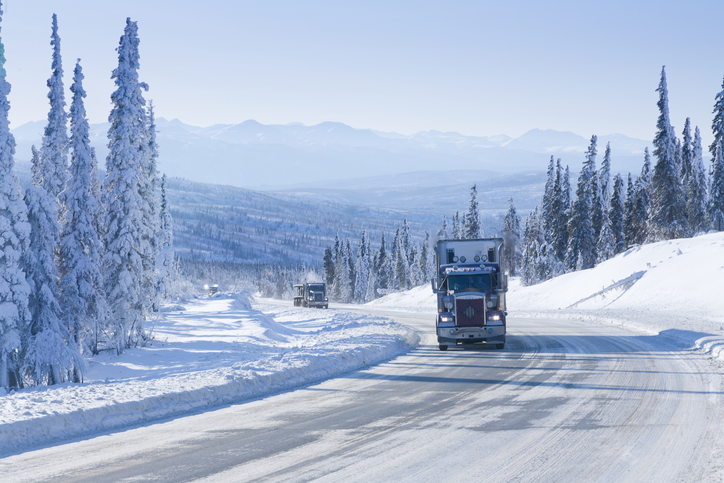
{"x":213,"y":290}
{"x":470,"y":285}
{"x":311,"y":295}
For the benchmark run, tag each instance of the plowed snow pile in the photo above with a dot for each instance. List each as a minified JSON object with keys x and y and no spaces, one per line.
{"x":208,"y":352}
{"x":674,"y":287}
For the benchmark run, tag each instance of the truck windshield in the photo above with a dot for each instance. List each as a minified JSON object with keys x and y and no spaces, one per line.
{"x":465,"y":282}
{"x":316,"y":288}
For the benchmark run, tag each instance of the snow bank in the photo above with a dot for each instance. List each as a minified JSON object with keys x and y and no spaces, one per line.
{"x":672,"y":287}
{"x":206,"y":353}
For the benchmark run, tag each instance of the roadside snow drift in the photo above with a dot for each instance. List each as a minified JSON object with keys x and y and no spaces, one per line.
{"x":205,"y":353}
{"x":673,"y":287}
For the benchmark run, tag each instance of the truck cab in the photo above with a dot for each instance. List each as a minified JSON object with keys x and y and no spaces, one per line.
{"x":470,"y":285}
{"x":312,"y":294}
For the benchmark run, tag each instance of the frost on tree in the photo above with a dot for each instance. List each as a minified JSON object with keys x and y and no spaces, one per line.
{"x":14,"y":240}
{"x":49,"y":354}
{"x":53,"y":153}
{"x":667,"y":214}
{"x":81,"y":286}
{"x":128,"y":235}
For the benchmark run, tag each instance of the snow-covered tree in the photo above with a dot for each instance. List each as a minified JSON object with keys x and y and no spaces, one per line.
{"x":687,"y":157}
{"x":426,"y":268}
{"x":153,"y":235}
{"x":616,"y":215}
{"x":165,"y":260}
{"x":472,"y":218}
{"x":641,"y":202}
{"x":629,"y":222}
{"x":53,"y":152}
{"x":362,"y":269}
{"x":328,"y":268}
{"x":511,"y":238}
{"x":14,"y":240}
{"x":561,"y":209}
{"x":581,"y":250}
{"x":382,"y":265}
{"x":442,"y":234}
{"x":717,"y":124}
{"x":715,"y":211}
{"x":456,"y":228}
{"x":667,"y":212}
{"x":49,"y":354}
{"x":696,"y":189}
{"x":606,"y":245}
{"x":604,"y":177}
{"x":127,"y":238}
{"x":81,"y":283}
{"x":549,"y":197}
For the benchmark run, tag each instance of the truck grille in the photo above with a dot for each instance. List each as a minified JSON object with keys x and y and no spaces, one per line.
{"x":470,"y":312}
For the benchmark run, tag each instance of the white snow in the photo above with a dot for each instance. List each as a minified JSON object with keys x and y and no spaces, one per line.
{"x":205,"y":353}
{"x":673,"y":287}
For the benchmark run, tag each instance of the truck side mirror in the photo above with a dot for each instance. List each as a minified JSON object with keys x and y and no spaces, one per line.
{"x":432,"y":283}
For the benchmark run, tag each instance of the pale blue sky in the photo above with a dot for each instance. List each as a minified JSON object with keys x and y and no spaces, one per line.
{"x":478,"y":67}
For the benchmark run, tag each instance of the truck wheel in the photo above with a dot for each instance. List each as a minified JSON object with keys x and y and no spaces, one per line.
{"x":443,"y":347}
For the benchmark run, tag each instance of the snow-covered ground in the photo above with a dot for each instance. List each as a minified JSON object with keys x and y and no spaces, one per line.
{"x":205,"y":353}
{"x":673,"y":287}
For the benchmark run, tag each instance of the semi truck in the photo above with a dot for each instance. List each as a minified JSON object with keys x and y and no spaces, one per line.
{"x":470,"y":284}
{"x":312,"y":294}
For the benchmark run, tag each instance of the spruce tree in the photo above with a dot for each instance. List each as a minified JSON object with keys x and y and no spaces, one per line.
{"x":687,"y":157}
{"x":715,"y":210}
{"x":548,"y":201}
{"x":604,"y":177}
{"x":153,"y":236}
{"x":580,"y":254}
{"x":667,"y":213}
{"x":472,"y":219}
{"x":717,"y":124}
{"x":562,"y":211}
{"x":382,"y":266}
{"x":425,"y":262}
{"x":629,"y":222}
{"x":616,"y":215}
{"x":127,"y":232}
{"x":362,"y":269}
{"x":14,"y":240}
{"x":596,"y":206}
{"x":50,"y":355}
{"x":641,"y":202}
{"x":165,"y":260}
{"x":606,"y":244}
{"x":511,"y":238}
{"x":456,"y":231}
{"x":442,"y":234}
{"x":328,"y":268}
{"x":53,"y":153}
{"x":81,"y":283}
{"x":696,"y":189}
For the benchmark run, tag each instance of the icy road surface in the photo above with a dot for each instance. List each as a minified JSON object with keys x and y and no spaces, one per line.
{"x":565,"y":401}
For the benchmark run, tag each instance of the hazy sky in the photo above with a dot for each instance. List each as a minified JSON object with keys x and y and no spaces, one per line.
{"x":477,"y":67}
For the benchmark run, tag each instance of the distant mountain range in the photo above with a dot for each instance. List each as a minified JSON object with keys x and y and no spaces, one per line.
{"x":333,"y":155}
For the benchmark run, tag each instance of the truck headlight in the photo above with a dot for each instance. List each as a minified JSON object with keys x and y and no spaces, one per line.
{"x":446,"y":318}
{"x":494,"y":317}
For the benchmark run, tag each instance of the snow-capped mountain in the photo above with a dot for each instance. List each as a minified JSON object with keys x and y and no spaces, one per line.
{"x":259,"y":156}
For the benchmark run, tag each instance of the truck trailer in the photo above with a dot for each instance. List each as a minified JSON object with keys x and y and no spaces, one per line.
{"x":311,"y":295}
{"x":470,"y":285}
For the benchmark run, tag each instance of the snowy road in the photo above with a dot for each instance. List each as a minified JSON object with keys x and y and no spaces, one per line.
{"x":563,"y":402}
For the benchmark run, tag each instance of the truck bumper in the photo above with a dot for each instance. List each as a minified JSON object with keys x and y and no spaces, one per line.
{"x":470,"y":335}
